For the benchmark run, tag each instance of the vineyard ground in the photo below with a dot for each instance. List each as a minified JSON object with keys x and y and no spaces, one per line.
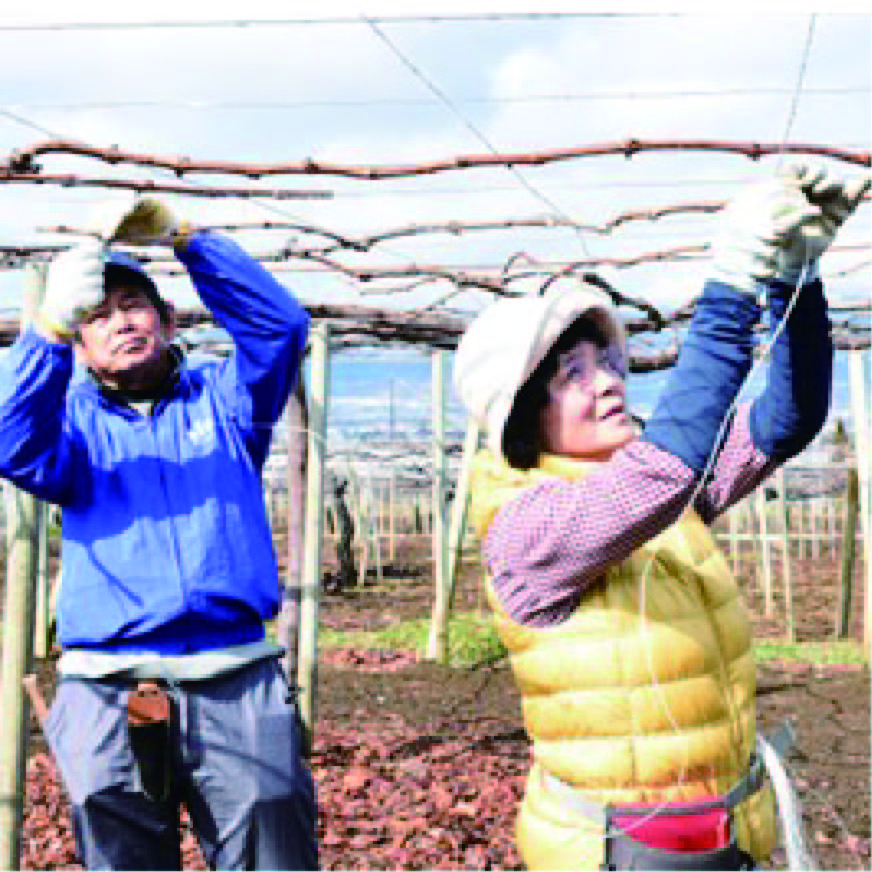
{"x":420,"y":766}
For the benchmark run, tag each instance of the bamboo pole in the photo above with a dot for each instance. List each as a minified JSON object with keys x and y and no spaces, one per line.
{"x":307,"y":672}
{"x":21,"y":568}
{"x":861,"y":410}
{"x":437,"y":643}
{"x":849,"y":550}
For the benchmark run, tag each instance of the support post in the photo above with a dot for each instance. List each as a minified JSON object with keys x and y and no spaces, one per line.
{"x":785,"y":570}
{"x":438,"y":639}
{"x":307,"y":672}
{"x":858,"y":367}
{"x":733,"y":520}
{"x":392,"y":508}
{"x":765,"y":558}
{"x":42,"y":623}
{"x":849,"y":550}
{"x":437,"y":643}
{"x":21,"y":566}
{"x":288,"y":622}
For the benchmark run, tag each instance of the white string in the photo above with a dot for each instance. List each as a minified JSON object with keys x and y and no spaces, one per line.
{"x":643,"y":581}
{"x":712,"y":459}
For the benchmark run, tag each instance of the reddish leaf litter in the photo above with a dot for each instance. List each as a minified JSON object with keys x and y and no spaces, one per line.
{"x":421,"y":766}
{"x":396,"y":799}
{"x":390,"y":795}
{"x":369,"y":659}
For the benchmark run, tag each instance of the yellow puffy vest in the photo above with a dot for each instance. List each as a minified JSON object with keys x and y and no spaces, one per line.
{"x":645,"y":693}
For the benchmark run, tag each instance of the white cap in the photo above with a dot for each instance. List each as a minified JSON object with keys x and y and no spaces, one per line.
{"x":503,"y":346}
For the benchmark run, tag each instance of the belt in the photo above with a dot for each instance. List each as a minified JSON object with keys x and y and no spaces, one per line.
{"x":573,"y":797}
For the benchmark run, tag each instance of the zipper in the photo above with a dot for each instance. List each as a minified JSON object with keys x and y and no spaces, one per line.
{"x":172,"y":527}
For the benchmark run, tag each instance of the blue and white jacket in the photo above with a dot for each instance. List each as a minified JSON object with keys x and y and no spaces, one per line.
{"x":166,"y":543}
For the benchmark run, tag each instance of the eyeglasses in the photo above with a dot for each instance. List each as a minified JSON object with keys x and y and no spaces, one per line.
{"x":579,"y":365}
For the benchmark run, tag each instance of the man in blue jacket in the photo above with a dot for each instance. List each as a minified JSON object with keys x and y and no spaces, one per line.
{"x":169,"y":693}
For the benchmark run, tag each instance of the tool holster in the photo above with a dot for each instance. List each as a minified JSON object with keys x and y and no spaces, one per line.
{"x":149,"y":724}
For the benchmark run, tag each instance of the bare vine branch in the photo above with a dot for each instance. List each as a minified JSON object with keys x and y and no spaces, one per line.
{"x":73,"y":181}
{"x":23,"y":161}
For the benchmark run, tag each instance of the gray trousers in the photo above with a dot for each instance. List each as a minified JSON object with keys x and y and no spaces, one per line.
{"x":234,"y":754}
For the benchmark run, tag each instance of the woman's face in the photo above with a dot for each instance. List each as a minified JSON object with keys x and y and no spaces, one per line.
{"x":585,"y":415}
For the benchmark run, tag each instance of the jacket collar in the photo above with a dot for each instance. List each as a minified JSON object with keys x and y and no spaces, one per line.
{"x":153,"y":395}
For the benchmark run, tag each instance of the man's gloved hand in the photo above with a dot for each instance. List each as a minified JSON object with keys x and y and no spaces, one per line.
{"x":149,"y":222}
{"x":144,"y":221}
{"x":74,"y":284}
{"x":780,"y":226}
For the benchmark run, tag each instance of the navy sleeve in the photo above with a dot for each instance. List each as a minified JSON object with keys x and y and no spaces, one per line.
{"x":796,"y":400}
{"x":714,"y":361}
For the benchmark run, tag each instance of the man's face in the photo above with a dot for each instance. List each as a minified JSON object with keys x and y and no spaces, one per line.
{"x":123,"y":339}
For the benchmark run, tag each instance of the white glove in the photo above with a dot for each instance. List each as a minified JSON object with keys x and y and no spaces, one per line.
{"x":73,"y":285}
{"x":836,"y":198}
{"x":134,"y":221}
{"x":149,"y":222}
{"x":777,"y":228}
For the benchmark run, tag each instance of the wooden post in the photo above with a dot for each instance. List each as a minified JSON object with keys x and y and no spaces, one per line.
{"x":785,"y":566}
{"x":288,"y":621}
{"x":392,"y":508}
{"x":437,"y":643}
{"x":765,"y":562}
{"x":733,"y":518}
{"x":375,"y":524}
{"x":307,"y":671}
{"x":361,"y":524}
{"x":42,"y":624}
{"x":21,"y":567}
{"x":438,"y":639}
{"x":460,"y":505}
{"x":849,"y":533}
{"x":860,"y":404}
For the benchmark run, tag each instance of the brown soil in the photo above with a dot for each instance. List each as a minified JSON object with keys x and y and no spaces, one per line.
{"x":421,"y":765}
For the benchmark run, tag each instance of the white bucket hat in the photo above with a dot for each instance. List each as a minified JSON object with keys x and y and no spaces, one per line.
{"x":503,"y":346}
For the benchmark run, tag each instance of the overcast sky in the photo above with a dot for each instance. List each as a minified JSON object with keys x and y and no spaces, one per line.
{"x":355,"y":90}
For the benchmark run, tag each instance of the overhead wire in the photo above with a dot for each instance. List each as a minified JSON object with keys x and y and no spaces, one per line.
{"x":472,"y":128}
{"x":718,"y":93}
{"x":207,"y":24}
{"x":714,"y":453}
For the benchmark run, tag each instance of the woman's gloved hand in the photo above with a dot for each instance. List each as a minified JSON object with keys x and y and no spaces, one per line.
{"x":779,"y":227}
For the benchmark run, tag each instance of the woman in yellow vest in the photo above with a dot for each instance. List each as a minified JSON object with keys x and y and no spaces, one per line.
{"x":628,"y":639}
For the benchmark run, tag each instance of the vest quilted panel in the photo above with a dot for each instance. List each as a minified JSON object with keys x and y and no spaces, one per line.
{"x":645,"y":694}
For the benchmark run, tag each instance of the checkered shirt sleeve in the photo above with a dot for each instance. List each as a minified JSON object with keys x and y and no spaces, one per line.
{"x":546,"y":546}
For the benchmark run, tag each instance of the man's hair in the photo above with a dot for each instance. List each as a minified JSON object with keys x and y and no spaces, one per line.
{"x":522,"y":436}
